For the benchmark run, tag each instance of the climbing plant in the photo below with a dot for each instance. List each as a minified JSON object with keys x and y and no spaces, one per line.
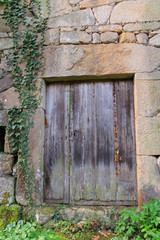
{"x":26,"y":64}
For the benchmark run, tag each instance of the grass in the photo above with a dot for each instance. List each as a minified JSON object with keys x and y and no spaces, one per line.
{"x":81,"y":231}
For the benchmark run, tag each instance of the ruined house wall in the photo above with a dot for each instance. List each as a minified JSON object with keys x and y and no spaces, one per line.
{"x":96,"y":39}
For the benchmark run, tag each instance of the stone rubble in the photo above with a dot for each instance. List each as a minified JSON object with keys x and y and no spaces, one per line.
{"x":155,"y":41}
{"x":127,"y":38}
{"x":96,"y":38}
{"x":75,"y":37}
{"x":142,"y":38}
{"x":109,"y":37}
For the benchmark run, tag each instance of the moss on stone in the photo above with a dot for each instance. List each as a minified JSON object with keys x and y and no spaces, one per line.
{"x":47,"y":210}
{"x":5,"y":197}
{"x":9,"y":214}
{"x":39,"y":214}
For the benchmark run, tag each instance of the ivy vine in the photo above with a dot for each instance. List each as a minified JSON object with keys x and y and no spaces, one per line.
{"x":24,"y":17}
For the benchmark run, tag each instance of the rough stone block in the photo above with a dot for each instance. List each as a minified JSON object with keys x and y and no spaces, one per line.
{"x":148,"y":177}
{"x":148,"y":135}
{"x":77,"y":18}
{"x":75,"y":37}
{"x":7,"y":184}
{"x":84,"y":213}
{"x":114,"y":28}
{"x":52,"y":36}
{"x":142,"y":38}
{"x":109,"y":37}
{"x":3,"y":35}
{"x":6,"y":163}
{"x":127,"y":37}
{"x":5,"y":83}
{"x":155,"y":41}
{"x":3,"y":118}
{"x":36,"y":145}
{"x":6,"y":43}
{"x":44,"y":214}
{"x":4,"y":28}
{"x":96,"y":38}
{"x":147,"y":97}
{"x":131,"y":27}
{"x":102,"y":13}
{"x":9,"y":98}
{"x":66,"y":61}
{"x":108,"y":28}
{"x":136,"y":11}
{"x":59,"y":7}
{"x":20,"y":193}
{"x":96,"y":3}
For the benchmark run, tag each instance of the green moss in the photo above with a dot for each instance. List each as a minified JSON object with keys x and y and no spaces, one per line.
{"x":5,"y":197}
{"x":9,"y":214}
{"x":46,"y":210}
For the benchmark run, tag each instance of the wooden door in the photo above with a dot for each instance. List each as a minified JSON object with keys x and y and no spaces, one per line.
{"x":90,"y":143}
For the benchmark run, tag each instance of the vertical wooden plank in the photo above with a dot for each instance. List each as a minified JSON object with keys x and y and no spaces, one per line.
{"x":56,"y":155}
{"x":126,"y":175}
{"x":105,"y":172}
{"x":89,"y":147}
{"x":76,"y":166}
{"x":83,"y":144}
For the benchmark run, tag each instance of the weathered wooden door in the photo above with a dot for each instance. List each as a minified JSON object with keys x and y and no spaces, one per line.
{"x":90,"y":155}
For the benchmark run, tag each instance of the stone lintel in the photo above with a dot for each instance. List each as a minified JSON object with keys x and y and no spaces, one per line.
{"x":100,"y":59}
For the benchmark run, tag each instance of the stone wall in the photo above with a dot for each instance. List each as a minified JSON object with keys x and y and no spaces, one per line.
{"x":107,"y":21}
{"x":94,"y":39}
